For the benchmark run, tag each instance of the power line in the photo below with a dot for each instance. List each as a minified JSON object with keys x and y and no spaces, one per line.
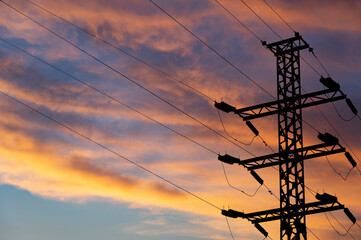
{"x":108,"y":96}
{"x":274,"y":31}
{"x":247,"y":194}
{"x":314,"y":69}
{"x":238,"y":20}
{"x":128,"y":78}
{"x":270,"y":191}
{"x":225,"y":173}
{"x":340,"y":234}
{"x":123,"y":104}
{"x":302,"y":88}
{"x":126,"y":105}
{"x":312,"y":233}
{"x":281,"y":39}
{"x":188,"y":30}
{"x":338,"y":134}
{"x":211,"y":48}
{"x":149,"y":65}
{"x":265,"y":143}
{"x":108,"y":149}
{"x":278,"y":15}
{"x":118,"y":101}
{"x":289,"y":26}
{"x":318,"y":60}
{"x":224,"y":128}
{"x":291,"y":81}
{"x":207,"y":45}
{"x":338,"y":173}
{"x":122,"y":51}
{"x":358,"y":225}
{"x":340,"y":116}
{"x":229,"y":227}
{"x":313,"y":192}
{"x":116,"y":153}
{"x":259,"y":17}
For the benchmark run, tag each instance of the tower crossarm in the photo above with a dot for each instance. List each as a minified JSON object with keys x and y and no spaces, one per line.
{"x":307,"y":209}
{"x":274,"y":107}
{"x":309,"y":152}
{"x":286,"y":46}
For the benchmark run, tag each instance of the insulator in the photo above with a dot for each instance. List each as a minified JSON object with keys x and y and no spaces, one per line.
{"x":228,"y":159}
{"x":352,"y":107}
{"x":325,"y":197}
{"x":257,"y":177}
{"x":225,"y":107}
{"x":328,"y":138}
{"x":350,"y":159}
{"x":329,"y":83}
{"x":349,"y":215}
{"x":232,"y":213}
{"x":253,"y":129}
{"x":261,"y":229}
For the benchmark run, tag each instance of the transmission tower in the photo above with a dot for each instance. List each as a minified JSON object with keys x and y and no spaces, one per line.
{"x":288,"y":107}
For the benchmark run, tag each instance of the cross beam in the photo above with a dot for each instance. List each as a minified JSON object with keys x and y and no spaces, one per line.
{"x":309,"y":152}
{"x":309,"y":208}
{"x":307,"y":100}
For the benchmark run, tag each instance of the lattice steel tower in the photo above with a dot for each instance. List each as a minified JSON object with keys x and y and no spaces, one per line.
{"x":290,"y":138}
{"x":288,"y":106}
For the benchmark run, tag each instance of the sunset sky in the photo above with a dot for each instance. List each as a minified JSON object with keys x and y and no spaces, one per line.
{"x":136,"y":120}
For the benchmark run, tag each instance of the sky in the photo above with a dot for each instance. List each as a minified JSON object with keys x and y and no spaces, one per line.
{"x":135,"y":153}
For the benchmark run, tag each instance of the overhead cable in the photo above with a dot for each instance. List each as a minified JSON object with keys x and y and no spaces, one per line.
{"x":278,"y":15}
{"x":274,"y":31}
{"x":259,"y":17}
{"x":107,"y":149}
{"x":211,"y":48}
{"x":147,"y":64}
{"x":116,"y":153}
{"x":334,"y":129}
{"x":289,"y":26}
{"x":121,"y":50}
{"x":108,"y":96}
{"x":224,"y":128}
{"x":238,"y":20}
{"x":125,"y":105}
{"x":312,"y":233}
{"x":340,"y":234}
{"x":128,"y":78}
{"x":338,"y":173}
{"x":229,"y":227}
{"x":247,"y":194}
{"x":318,"y":60}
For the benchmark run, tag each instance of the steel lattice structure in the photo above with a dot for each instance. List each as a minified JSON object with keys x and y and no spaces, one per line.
{"x":292,"y":153}
{"x":290,"y":138}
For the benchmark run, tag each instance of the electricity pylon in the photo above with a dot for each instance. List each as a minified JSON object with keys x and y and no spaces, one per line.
{"x":288,"y":107}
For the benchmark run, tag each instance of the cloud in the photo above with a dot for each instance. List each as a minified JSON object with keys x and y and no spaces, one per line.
{"x":46,"y":160}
